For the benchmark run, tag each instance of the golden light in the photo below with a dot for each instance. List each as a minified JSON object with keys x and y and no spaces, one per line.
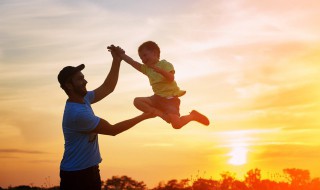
{"x":238,"y":155}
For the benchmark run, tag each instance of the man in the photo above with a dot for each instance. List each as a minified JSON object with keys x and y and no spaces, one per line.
{"x":79,"y":167}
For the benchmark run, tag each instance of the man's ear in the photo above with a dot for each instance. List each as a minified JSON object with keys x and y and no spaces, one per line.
{"x":68,"y":86}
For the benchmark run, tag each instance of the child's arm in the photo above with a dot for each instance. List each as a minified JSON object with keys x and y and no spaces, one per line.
{"x":131,"y":62}
{"x":125,"y":57}
{"x":168,"y":75}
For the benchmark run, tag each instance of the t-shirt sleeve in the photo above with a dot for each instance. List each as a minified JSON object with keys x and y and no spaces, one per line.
{"x":86,"y":121}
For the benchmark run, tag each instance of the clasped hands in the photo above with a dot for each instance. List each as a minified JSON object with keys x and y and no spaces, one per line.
{"x":118,"y":50}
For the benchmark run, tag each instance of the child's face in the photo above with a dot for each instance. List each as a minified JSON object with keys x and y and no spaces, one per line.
{"x":148,"y":57}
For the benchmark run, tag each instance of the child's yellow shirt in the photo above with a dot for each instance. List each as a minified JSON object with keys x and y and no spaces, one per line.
{"x":160,"y":85}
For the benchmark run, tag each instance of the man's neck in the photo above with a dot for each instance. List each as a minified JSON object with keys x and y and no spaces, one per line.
{"x":79,"y":100}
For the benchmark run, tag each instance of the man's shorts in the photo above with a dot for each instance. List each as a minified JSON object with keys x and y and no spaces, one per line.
{"x":168,"y":106}
{"x":81,"y":180}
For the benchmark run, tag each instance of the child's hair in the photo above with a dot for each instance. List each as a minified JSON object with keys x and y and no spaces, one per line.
{"x":150,"y":45}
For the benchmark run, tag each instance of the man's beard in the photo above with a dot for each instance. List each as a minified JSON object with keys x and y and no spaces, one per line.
{"x":80,"y":90}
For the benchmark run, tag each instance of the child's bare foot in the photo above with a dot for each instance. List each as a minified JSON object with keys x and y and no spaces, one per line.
{"x":200,"y":118}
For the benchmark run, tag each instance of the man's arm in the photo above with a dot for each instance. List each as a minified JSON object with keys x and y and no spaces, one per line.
{"x":106,"y":128}
{"x":111,"y":80}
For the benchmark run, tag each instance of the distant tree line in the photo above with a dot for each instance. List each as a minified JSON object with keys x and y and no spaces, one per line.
{"x":291,"y":179}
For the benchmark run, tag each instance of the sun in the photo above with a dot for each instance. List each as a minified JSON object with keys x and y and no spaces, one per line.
{"x":238,"y":155}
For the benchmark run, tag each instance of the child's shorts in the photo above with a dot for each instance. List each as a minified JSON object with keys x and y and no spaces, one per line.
{"x":168,"y":106}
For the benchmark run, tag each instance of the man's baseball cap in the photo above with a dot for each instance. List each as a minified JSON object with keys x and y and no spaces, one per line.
{"x":67,"y":72}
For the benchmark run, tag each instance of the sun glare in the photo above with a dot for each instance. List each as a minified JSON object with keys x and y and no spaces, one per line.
{"x":238,"y":155}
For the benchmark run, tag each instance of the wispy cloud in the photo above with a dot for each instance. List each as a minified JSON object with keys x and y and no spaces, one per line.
{"x":43,"y":161}
{"x":19,"y":151}
{"x":158,"y":145}
{"x":290,"y":152}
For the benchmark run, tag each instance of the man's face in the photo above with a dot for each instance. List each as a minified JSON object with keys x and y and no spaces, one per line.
{"x":79,"y":84}
{"x":148,"y":57}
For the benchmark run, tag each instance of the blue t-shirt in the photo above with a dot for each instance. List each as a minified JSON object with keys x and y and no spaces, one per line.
{"x":81,"y":149}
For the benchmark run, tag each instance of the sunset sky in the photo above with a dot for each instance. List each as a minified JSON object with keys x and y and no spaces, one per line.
{"x":253,"y":67}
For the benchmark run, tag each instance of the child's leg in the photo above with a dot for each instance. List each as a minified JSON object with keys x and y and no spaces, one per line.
{"x":145,"y":104}
{"x":178,"y":122}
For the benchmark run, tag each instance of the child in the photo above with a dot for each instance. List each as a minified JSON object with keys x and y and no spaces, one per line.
{"x":165,"y":102}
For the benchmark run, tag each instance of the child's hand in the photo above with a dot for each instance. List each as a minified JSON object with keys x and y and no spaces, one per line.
{"x":119,"y":50}
{"x":155,"y":68}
